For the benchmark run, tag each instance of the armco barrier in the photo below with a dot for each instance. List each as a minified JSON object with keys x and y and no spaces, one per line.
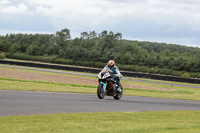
{"x":51,"y":66}
{"x":96,"y":70}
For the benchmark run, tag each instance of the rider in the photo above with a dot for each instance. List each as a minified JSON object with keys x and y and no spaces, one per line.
{"x":111,"y":66}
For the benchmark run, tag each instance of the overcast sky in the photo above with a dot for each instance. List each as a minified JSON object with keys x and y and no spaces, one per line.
{"x":169,"y":21}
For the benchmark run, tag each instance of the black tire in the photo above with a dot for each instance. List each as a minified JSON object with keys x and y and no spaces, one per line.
{"x":100,"y":93}
{"x":118,"y":94}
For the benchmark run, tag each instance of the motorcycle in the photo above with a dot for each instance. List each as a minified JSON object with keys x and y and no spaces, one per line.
{"x":108,"y":86}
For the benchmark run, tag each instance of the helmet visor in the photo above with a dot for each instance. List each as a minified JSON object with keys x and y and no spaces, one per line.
{"x":111,"y":66}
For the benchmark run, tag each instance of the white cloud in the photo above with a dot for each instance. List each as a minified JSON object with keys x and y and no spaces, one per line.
{"x":19,"y":9}
{"x":101,"y":12}
{"x":146,"y":19}
{"x":4,"y":32}
{"x":3,"y":2}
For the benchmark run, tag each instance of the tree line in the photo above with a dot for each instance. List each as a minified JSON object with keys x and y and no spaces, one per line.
{"x":101,"y":47}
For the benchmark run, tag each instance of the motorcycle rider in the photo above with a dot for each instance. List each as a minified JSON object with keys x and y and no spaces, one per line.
{"x":112,"y":67}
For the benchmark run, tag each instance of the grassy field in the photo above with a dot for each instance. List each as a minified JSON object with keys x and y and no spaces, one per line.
{"x":30,"y":85}
{"x":116,"y":122}
{"x":44,"y":72}
{"x":88,"y":77}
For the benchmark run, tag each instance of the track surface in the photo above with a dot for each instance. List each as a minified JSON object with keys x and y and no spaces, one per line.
{"x":90,"y":75}
{"x":28,"y":103}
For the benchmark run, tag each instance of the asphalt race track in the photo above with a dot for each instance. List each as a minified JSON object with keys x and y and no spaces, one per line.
{"x":28,"y":103}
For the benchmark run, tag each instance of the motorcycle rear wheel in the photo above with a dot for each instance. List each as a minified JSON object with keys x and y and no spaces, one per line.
{"x":118,"y":94}
{"x":100,"y":93}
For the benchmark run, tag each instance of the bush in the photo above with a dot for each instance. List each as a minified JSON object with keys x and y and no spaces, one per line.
{"x":2,"y":56}
{"x":195,"y":75}
{"x":185,"y":75}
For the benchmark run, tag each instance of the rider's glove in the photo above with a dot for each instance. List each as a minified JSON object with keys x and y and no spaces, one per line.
{"x":118,"y":75}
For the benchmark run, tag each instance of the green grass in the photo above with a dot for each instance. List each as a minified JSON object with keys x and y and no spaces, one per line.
{"x":44,"y":72}
{"x":88,"y":77}
{"x":163,"y":81}
{"x":31,"y":85}
{"x":125,"y":82}
{"x":116,"y":122}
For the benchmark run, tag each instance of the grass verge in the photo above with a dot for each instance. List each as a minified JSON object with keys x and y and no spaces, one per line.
{"x":56,"y":72}
{"x":31,"y":85}
{"x":80,"y":76}
{"x":126,"y":122}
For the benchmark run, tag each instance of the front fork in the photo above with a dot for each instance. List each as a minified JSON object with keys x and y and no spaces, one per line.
{"x":104,"y":85}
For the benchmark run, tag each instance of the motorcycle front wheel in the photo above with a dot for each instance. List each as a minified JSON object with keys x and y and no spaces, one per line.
{"x":100,"y":93}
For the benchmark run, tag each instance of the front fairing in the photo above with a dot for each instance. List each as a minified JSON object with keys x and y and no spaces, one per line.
{"x":106,"y":74}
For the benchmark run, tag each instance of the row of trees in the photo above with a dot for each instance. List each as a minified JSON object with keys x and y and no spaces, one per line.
{"x":103,"y":47}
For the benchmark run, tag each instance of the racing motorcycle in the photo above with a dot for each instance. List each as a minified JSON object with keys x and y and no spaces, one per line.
{"x":108,"y":86}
